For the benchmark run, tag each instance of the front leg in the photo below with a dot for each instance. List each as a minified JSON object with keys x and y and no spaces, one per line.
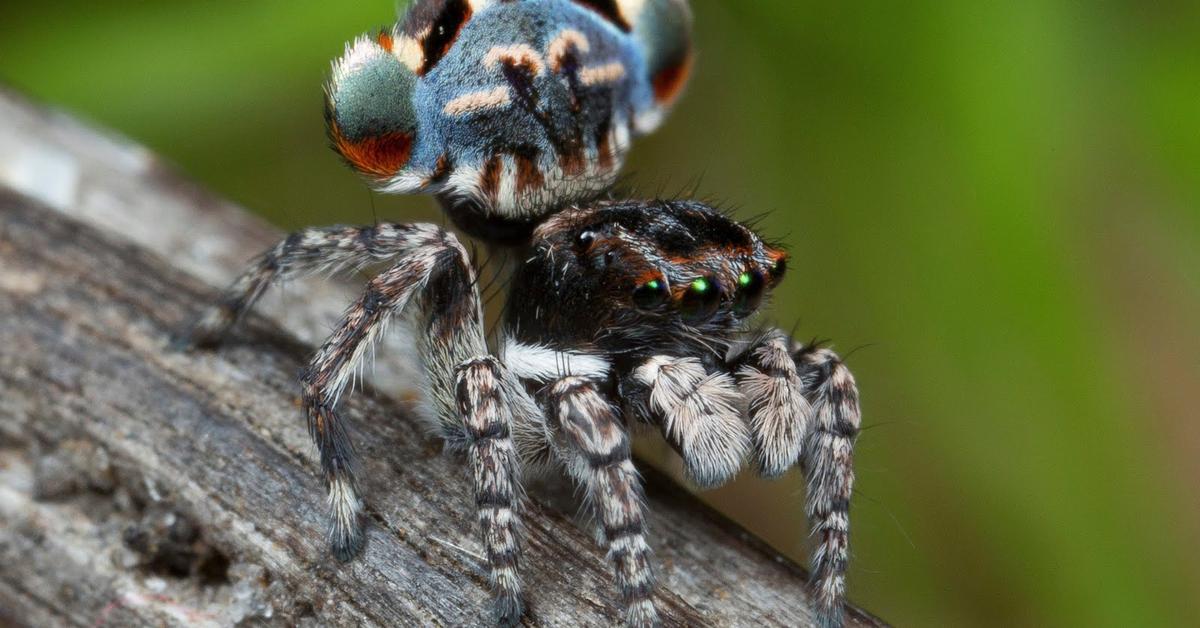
{"x":778,"y":410}
{"x":595,"y":447}
{"x":804,"y":408}
{"x":698,"y":412}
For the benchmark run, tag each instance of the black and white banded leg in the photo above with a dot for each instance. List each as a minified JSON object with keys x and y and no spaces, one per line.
{"x":778,"y":411}
{"x":487,"y":416}
{"x":595,"y":447}
{"x":330,"y":249}
{"x":432,"y":268}
{"x":305,"y":252}
{"x":337,"y":360}
{"x":698,"y":411}
{"x":804,"y":408}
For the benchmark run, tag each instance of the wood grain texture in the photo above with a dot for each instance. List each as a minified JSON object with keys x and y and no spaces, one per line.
{"x":141,"y":485}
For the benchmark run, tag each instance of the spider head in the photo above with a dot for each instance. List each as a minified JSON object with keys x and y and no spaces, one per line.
{"x":643,"y":276}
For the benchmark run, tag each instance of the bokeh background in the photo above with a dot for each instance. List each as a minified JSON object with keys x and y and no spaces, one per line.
{"x":993,"y":209}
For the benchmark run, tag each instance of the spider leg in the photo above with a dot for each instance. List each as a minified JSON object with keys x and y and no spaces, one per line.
{"x":466,"y":385}
{"x":471,"y":411}
{"x":698,"y":412}
{"x":804,"y":408}
{"x":596,"y":449}
{"x":487,"y":416}
{"x":778,"y":411}
{"x":336,"y":360}
{"x":303,"y":252}
{"x":829,"y":470}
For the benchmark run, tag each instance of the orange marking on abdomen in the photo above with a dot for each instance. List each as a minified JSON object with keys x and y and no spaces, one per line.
{"x":489,"y":179}
{"x":441,"y":170}
{"x":378,"y":156}
{"x":571,"y":162}
{"x":604,"y":153}
{"x":385,"y":40}
{"x":670,"y":80}
{"x":529,"y":176}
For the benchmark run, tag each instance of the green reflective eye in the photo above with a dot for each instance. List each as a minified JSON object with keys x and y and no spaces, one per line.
{"x":651,"y":294}
{"x":749,"y":293}
{"x":701,"y":299}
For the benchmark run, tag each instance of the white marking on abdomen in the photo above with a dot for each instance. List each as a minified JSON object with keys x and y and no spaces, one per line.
{"x":606,"y":73}
{"x":478,"y":101}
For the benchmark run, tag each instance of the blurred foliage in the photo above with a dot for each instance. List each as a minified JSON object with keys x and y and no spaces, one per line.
{"x":992,"y":207}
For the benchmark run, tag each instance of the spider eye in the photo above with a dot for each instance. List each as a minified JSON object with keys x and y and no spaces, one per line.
{"x":701,"y":299}
{"x":778,"y":269}
{"x":585,"y":239}
{"x":749,"y":293}
{"x":651,"y":294}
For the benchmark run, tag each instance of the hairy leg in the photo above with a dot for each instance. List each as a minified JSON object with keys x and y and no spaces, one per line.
{"x":433,"y":268}
{"x":803,"y":405}
{"x":778,"y":411}
{"x":465,"y":384}
{"x":829,"y":468}
{"x":331,"y":368}
{"x":313,"y":250}
{"x":596,"y":449}
{"x":698,"y":412}
{"x":487,"y":415}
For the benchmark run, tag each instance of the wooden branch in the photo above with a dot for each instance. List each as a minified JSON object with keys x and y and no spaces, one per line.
{"x":140,"y":485}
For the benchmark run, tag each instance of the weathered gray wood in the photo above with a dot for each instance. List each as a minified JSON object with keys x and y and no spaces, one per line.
{"x":122,"y":188}
{"x":140,"y":485}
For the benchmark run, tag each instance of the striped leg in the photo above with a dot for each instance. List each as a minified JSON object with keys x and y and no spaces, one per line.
{"x":829,"y":468}
{"x":487,"y":416}
{"x":698,"y":412}
{"x":804,"y":408}
{"x":338,"y":358}
{"x":593,"y":442}
{"x":778,"y":411}
{"x":301,"y":253}
{"x":466,"y":388}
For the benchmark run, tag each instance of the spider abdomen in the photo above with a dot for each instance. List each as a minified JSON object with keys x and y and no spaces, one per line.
{"x":507,"y":110}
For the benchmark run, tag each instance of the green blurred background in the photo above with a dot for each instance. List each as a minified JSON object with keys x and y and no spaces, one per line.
{"x":992,"y":207}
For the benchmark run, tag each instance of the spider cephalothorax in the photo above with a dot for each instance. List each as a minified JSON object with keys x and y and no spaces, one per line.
{"x":631,"y":277}
{"x":515,"y":114}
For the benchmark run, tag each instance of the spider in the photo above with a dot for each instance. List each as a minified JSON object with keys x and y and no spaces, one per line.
{"x":516,"y":116}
